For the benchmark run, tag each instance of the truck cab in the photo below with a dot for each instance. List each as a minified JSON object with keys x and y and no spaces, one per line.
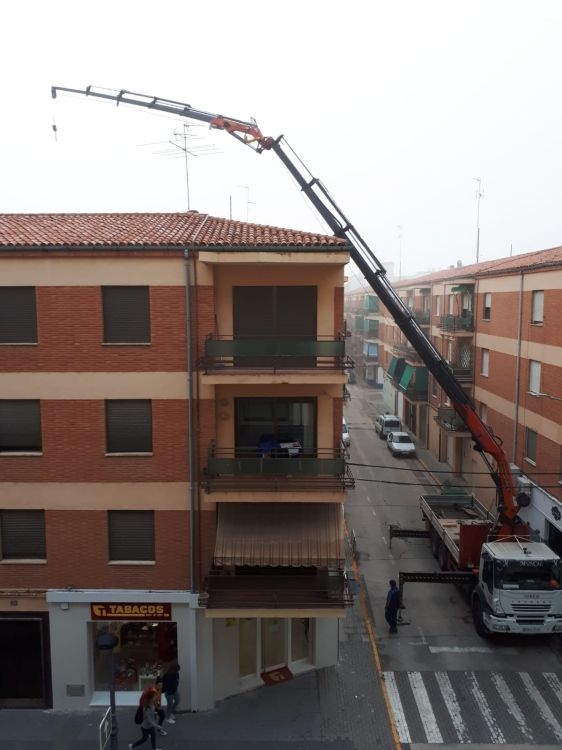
{"x":518,"y":590}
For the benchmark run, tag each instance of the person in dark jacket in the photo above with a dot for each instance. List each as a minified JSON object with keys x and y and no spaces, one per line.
{"x":170,"y":683}
{"x":392,"y":606}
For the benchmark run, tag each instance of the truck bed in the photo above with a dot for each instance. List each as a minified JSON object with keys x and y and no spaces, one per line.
{"x":461,"y":523}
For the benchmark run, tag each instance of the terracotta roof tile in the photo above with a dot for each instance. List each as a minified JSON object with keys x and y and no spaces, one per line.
{"x":510,"y":264}
{"x":150,"y":229}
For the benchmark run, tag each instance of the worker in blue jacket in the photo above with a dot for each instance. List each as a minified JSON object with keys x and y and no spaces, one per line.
{"x":392,"y":606}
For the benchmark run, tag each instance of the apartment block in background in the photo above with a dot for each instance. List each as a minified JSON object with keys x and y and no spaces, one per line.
{"x":497,"y":325}
{"x":171,"y":467}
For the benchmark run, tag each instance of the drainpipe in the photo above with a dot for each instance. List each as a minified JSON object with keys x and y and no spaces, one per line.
{"x":517,"y":367}
{"x":194,"y":584}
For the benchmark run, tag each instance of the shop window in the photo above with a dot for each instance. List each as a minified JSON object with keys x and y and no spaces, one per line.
{"x":143,"y":653}
{"x":20,"y":426}
{"x":487,"y":306}
{"x":300,"y":639}
{"x":131,"y":535}
{"x":273,"y":642}
{"x":22,"y":535}
{"x":530,"y":445}
{"x":537,"y":313}
{"x":18,"y":315}
{"x":485,"y":369}
{"x":534,"y":376}
{"x":128,"y":426}
{"x":126,"y":314}
{"x":247,"y":650}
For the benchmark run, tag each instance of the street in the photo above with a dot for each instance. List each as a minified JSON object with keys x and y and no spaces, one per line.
{"x":444,"y":683}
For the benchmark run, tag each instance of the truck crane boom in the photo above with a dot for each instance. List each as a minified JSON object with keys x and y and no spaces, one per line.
{"x":373,"y":271}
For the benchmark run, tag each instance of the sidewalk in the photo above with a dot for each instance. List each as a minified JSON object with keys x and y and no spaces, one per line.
{"x":338,"y":708}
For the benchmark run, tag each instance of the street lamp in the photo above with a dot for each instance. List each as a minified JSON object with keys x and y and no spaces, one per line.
{"x":107,"y":642}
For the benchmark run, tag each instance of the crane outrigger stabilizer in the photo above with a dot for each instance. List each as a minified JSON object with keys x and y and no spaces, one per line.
{"x":374,"y":272}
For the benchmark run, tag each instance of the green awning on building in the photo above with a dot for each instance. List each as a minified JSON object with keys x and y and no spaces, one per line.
{"x":421,"y":379}
{"x":392,"y":366}
{"x":406,"y":376}
{"x":463,"y":288}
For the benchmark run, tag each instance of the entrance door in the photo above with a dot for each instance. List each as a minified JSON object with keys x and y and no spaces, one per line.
{"x":22,"y":674}
{"x":273,"y":643}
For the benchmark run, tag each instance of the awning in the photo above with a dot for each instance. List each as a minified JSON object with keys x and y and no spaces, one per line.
{"x":392,"y":366}
{"x":280,"y":534}
{"x":406,"y":376}
{"x":463,"y":288}
{"x":420,"y":383}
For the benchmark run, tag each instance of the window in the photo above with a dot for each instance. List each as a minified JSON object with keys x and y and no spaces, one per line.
{"x":485,"y":362}
{"x":530,"y":445}
{"x":18,"y":316}
{"x":451,"y":304}
{"x":128,"y":426}
{"x":126,"y":315}
{"x":20,"y":426}
{"x":483,"y":412}
{"x":534,"y":376}
{"x":433,"y":387}
{"x":537,"y":314}
{"x":487,"y":306}
{"x":438,"y":305}
{"x":270,"y":424}
{"x":22,"y":535}
{"x":131,"y":534}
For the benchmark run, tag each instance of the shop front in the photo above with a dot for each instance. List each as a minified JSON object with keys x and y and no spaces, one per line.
{"x":154,"y":630}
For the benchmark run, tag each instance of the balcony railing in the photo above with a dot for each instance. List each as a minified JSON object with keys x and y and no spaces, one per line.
{"x":406,"y":351}
{"x":462,"y":374}
{"x":422,"y":317}
{"x":324,"y":590}
{"x":276,"y":470}
{"x":449,"y":420}
{"x":229,"y":354}
{"x":455,"y":323}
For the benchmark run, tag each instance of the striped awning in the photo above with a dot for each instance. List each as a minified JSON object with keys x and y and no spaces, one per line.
{"x":280,"y":534}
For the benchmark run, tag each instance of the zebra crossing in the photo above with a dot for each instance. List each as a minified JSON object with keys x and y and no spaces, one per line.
{"x":476,"y":707}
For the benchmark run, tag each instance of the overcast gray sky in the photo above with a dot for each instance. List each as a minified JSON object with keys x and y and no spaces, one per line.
{"x":397,"y":106}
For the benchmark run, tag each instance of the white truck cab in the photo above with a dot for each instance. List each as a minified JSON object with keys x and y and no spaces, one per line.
{"x":518,"y":590}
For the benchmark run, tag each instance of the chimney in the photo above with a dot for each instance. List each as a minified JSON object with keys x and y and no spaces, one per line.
{"x":459,"y":263}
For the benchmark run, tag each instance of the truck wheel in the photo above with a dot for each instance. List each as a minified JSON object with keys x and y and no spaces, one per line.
{"x":434,"y":542}
{"x":478,"y":618}
{"x":443,"y":557}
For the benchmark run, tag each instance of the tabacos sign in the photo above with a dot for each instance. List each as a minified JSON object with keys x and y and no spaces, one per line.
{"x":117,"y":611}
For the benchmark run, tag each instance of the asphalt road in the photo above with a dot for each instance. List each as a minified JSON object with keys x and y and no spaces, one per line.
{"x":444,"y":683}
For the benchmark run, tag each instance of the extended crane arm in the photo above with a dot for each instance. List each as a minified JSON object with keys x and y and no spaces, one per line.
{"x":368,"y":264}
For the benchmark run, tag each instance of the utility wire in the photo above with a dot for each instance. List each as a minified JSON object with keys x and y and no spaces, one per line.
{"x":435,"y":471}
{"x":449,"y":486}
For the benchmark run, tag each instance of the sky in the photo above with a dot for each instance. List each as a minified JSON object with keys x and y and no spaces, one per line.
{"x":396,"y":106}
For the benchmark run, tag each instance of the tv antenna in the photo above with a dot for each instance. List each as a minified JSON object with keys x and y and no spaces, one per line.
{"x":189,"y":144}
{"x":248,"y":201}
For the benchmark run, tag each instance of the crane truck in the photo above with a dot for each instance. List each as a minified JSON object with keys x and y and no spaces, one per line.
{"x":507,"y":572}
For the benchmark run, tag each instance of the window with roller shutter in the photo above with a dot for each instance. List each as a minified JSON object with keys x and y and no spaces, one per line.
{"x":22,"y":535}
{"x":131,"y":534}
{"x":128,"y":425}
{"x":20,"y":426}
{"x":18,"y":315}
{"x":126,"y":314}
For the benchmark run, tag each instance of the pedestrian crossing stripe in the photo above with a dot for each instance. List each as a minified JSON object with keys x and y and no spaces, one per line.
{"x":476,"y":707}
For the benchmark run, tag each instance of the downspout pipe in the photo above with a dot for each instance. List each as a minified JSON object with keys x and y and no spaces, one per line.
{"x":517,"y":369}
{"x":193,"y":489}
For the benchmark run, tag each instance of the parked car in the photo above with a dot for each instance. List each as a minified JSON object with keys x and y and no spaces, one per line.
{"x":386,"y":423}
{"x":346,"y":440}
{"x":400,"y":444}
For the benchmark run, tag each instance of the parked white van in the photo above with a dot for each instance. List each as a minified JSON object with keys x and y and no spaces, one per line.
{"x":387,"y":423}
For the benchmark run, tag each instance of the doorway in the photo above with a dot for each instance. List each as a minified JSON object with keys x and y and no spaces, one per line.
{"x":25,"y":672}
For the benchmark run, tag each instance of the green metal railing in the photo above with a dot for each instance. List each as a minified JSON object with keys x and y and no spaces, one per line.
{"x":275,"y":353}
{"x":453,"y":323}
{"x":448,"y":418}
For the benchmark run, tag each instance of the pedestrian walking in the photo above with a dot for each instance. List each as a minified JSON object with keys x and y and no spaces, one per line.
{"x":170,"y":683}
{"x":392,"y":606}
{"x":149,"y":725}
{"x":155,"y":691}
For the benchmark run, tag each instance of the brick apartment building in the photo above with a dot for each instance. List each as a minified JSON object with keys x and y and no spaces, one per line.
{"x":170,"y":454}
{"x":498,"y":325}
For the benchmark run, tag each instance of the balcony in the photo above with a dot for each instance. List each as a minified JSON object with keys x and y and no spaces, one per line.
{"x":457,"y":323}
{"x":406,"y":351}
{"x":462,"y":374}
{"x":276,"y":470}
{"x":322,"y":590}
{"x":422,"y":317}
{"x":449,"y":420}
{"x":226,"y":354}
